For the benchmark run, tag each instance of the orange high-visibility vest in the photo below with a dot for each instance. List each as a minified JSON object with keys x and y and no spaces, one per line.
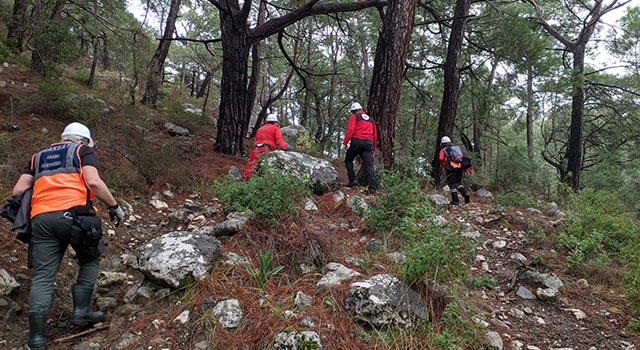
{"x":58,"y":183}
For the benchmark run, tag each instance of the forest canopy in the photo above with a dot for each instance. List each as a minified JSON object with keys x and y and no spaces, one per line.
{"x":539,"y":93}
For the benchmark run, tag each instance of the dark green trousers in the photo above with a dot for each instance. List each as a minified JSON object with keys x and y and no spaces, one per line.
{"x":51,"y":233}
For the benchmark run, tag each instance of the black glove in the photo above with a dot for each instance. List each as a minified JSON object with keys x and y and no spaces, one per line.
{"x":116,"y":212}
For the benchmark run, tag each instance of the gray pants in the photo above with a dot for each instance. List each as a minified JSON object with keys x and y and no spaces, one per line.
{"x":50,"y":235}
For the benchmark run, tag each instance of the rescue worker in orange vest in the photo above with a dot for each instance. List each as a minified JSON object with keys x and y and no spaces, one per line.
{"x":267,"y":137}
{"x":63,"y":176}
{"x":453,"y":172}
{"x":363,"y":135}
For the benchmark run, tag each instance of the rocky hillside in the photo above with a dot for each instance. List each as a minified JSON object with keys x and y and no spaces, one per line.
{"x":519,"y":294}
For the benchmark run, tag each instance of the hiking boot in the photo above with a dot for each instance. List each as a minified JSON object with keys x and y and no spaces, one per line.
{"x":352,"y":183}
{"x":454,"y":199}
{"x":464,"y":194}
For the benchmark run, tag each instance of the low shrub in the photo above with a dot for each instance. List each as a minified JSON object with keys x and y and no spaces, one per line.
{"x":457,"y":330}
{"x":64,"y":100}
{"x":264,"y":195}
{"x":632,"y":284}
{"x":515,"y":199}
{"x":400,"y":195}
{"x":600,"y":230}
{"x":440,"y":255}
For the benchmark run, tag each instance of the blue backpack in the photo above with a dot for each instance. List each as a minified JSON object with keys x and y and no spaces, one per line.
{"x":453,"y":154}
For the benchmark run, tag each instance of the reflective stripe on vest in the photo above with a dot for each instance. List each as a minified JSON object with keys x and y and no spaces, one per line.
{"x":58,"y":182}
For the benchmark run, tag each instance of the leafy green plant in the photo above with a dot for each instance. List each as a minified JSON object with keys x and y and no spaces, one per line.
{"x":634,"y":325}
{"x":599,"y":230}
{"x":364,"y":336}
{"x":49,"y":99}
{"x":330,"y":303}
{"x":632,"y":284}
{"x":307,"y":344}
{"x":82,"y":75}
{"x":535,"y":234}
{"x":477,"y":283}
{"x":187,"y":281}
{"x":459,"y":331}
{"x":265,"y":195}
{"x":264,"y":272}
{"x":400,"y":198}
{"x":440,"y":255}
{"x":537,"y":260}
{"x":515,"y":199}
{"x":306,"y":144}
{"x":5,"y":141}
{"x":5,"y":52}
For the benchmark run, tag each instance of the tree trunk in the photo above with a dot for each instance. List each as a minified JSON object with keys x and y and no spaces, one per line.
{"x":38,"y":19}
{"x":94,"y":63}
{"x":204,"y":86}
{"x":156,"y":66}
{"x":18,"y":31}
{"x":388,"y":68}
{"x":530,"y":113}
{"x":233,"y":89}
{"x":94,"y":40}
{"x":574,"y":152}
{"x":306,"y":105}
{"x":106,"y":62}
{"x":193,"y":83}
{"x":451,"y":80}
{"x":133,"y":85}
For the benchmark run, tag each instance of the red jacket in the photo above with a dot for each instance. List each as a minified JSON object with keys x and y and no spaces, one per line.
{"x":361,"y":126}
{"x":269,"y":134}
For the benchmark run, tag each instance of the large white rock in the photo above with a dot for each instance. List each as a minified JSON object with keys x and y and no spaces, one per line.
{"x":171,"y":258}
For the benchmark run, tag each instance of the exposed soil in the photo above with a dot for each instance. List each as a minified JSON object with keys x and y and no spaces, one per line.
{"x":529,"y":323}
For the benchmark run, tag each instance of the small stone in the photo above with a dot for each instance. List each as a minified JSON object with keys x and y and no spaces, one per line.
{"x":524,"y":293}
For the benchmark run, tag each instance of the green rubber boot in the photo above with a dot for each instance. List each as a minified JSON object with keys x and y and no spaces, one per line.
{"x":37,"y":330}
{"x":81,"y":301}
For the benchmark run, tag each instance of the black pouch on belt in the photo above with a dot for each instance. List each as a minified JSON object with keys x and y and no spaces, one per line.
{"x":87,"y":227}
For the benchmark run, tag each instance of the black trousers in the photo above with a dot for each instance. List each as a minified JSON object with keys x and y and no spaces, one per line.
{"x":364,"y":149}
{"x":454,"y":178}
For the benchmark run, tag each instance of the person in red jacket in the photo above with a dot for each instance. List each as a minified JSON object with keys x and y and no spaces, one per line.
{"x":452,"y":169}
{"x":362,"y":133}
{"x":267,"y":137}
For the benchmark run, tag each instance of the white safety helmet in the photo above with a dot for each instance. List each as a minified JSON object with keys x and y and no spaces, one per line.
{"x":272,"y":118}
{"x":445,"y":139}
{"x":76,"y":129}
{"x":355,"y":107}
